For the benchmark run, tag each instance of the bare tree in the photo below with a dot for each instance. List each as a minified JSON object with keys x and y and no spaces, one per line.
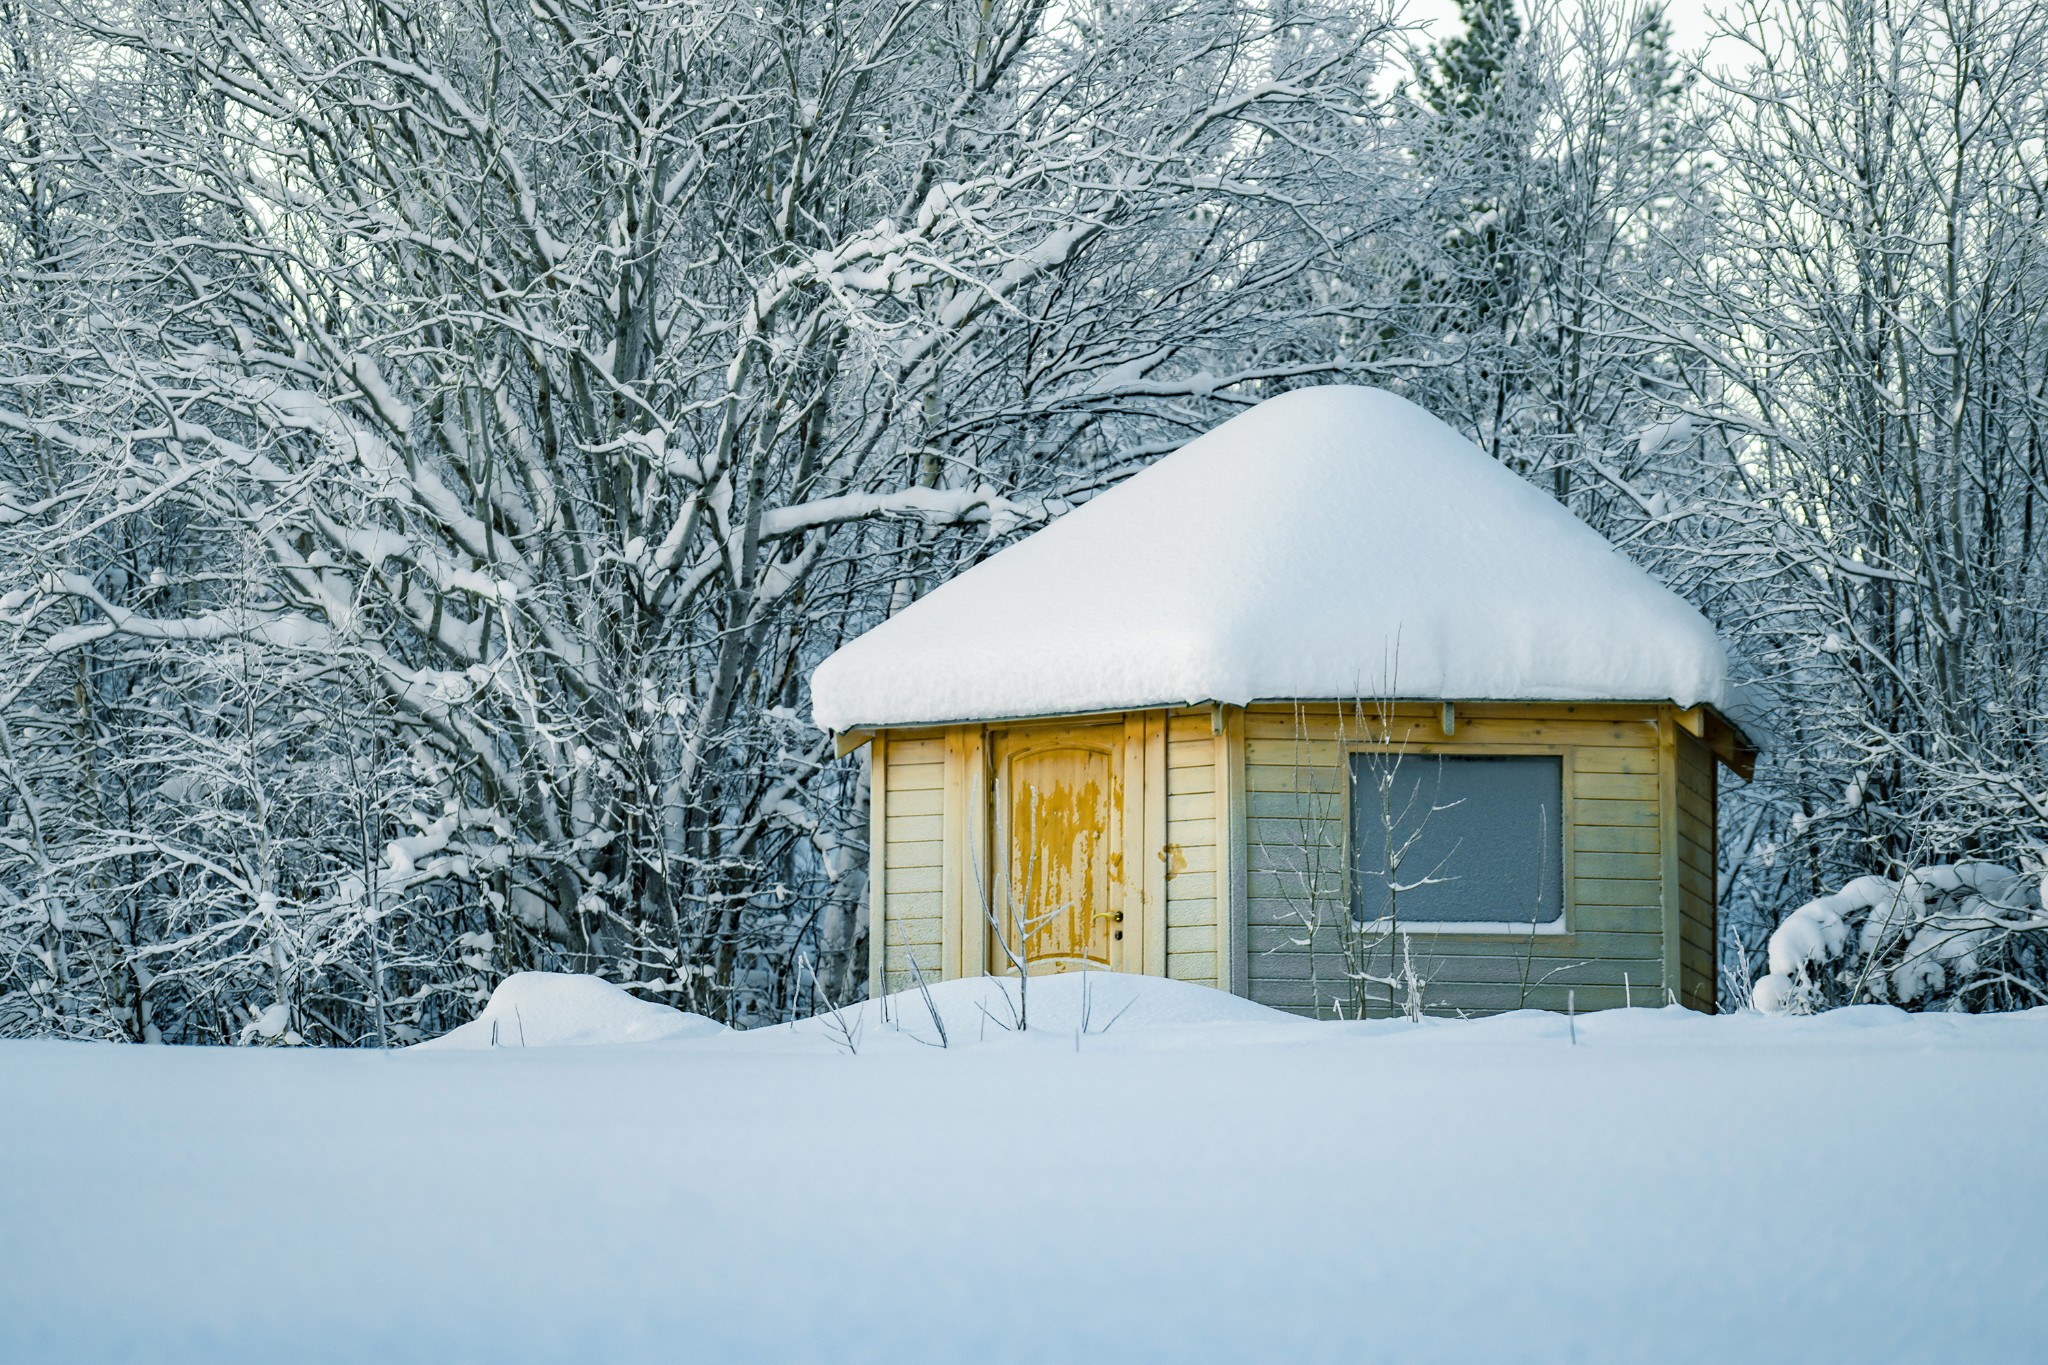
{"x":1866,"y":338}
{"x":558,"y":383}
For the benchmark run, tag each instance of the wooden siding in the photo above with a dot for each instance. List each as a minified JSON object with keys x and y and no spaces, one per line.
{"x":1698,"y":977}
{"x":1298,"y":891}
{"x":934,"y":814}
{"x":910,"y":812}
{"x":1196,"y":934}
{"x":1238,"y":818}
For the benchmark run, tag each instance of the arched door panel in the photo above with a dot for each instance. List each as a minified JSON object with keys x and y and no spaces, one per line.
{"x":1058,"y":898}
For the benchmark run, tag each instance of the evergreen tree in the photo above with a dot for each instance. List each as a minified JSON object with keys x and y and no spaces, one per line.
{"x":1474,"y":131}
{"x":1470,"y":71}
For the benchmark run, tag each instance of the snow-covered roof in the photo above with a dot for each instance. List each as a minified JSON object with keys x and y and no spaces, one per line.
{"x":1333,"y":542}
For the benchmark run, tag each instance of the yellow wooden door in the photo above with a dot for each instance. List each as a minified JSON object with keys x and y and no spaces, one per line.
{"x":1059,"y":839}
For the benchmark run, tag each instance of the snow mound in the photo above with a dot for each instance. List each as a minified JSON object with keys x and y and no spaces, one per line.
{"x":1113,"y":1007}
{"x":1927,"y":939}
{"x":1057,"y":1002}
{"x":1333,"y":542}
{"x":557,"y":1009}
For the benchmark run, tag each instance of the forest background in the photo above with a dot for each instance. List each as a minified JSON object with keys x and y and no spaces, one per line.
{"x":438,"y":437}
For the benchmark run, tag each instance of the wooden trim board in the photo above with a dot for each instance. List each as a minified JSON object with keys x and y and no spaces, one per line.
{"x":878,"y":867}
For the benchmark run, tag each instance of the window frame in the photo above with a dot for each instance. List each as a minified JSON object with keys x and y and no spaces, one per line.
{"x":1566,"y":920}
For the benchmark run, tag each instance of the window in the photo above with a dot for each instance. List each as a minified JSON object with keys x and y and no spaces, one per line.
{"x":1473,"y":840}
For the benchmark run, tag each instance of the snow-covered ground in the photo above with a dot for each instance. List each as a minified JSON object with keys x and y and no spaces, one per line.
{"x":1203,"y":1181}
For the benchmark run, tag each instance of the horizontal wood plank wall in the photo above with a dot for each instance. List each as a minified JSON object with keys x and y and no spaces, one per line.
{"x":1298,"y":884}
{"x":935,"y":799}
{"x":1699,"y":986}
{"x":913,"y":801}
{"x":1189,"y":852}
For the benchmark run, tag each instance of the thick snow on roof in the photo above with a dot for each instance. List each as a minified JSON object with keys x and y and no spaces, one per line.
{"x":1334,"y":542}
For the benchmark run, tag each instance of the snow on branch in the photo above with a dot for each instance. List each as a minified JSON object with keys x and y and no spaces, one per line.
{"x":1934,"y":935}
{"x":933,"y":506}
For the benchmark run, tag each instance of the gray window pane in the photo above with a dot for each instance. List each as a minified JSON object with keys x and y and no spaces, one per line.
{"x":1462,"y":839}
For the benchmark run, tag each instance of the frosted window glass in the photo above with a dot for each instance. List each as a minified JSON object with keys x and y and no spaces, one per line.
{"x":1475,"y":839}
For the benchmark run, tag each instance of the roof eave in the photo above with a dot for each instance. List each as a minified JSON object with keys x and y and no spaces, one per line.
{"x":1728,"y":741}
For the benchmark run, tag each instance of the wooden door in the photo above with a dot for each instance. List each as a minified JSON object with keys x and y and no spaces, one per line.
{"x":1059,"y":894}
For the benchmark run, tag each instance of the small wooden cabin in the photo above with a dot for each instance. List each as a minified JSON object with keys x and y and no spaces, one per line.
{"x":1323,"y":709}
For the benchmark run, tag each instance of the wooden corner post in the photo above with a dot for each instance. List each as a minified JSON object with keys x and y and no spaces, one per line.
{"x":1152,"y":859}
{"x":1667,"y":851}
{"x":878,"y":867}
{"x":1233,"y":961}
{"x":964,"y":838}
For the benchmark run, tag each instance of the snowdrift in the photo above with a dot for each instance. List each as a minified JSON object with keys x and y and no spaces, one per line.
{"x":552,"y":1009}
